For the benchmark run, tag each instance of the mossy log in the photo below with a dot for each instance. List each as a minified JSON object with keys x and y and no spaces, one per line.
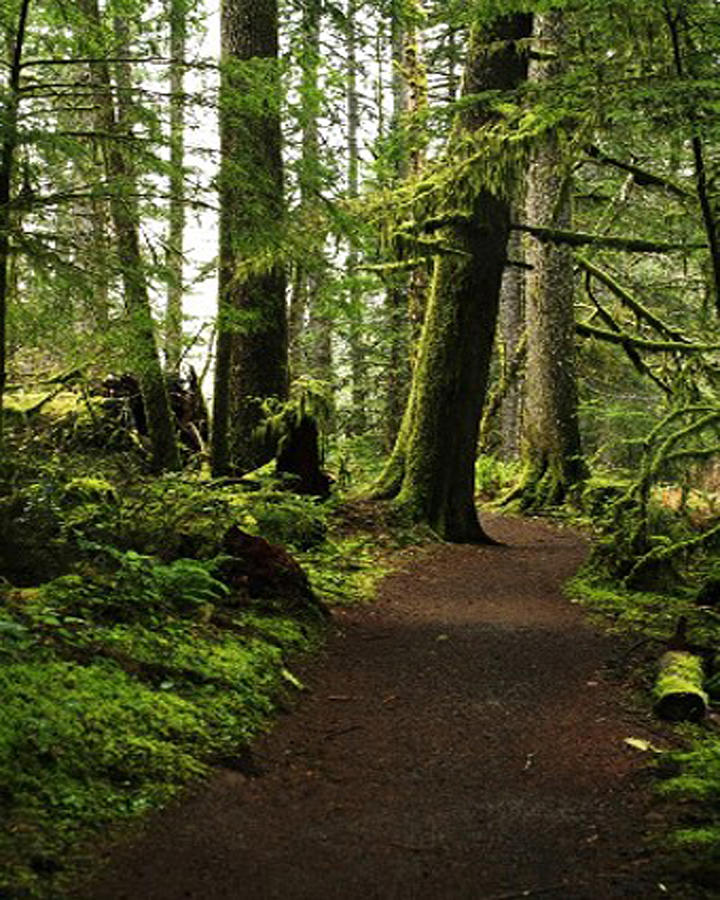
{"x":679,"y":694}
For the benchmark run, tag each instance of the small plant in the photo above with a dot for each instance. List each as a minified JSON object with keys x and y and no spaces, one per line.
{"x":141,"y":585}
{"x":494,"y":476}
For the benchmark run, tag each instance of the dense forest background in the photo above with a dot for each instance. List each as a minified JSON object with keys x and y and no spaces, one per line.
{"x":416,"y":250}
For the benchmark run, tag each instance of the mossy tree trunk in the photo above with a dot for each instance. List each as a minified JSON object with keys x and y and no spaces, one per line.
{"x":406,"y":294}
{"x":178,"y":11}
{"x":551,"y":446}
{"x":432,"y":469}
{"x":111,"y":121}
{"x":356,"y":338}
{"x":8,"y":145}
{"x":252,"y":343}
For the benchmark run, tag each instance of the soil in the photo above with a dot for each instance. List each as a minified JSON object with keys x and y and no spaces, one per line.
{"x":461,"y":738}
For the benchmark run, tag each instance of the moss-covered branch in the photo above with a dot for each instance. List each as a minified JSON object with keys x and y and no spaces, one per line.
{"x":623,"y":338}
{"x":641,"y":177}
{"x":631,"y":352}
{"x":605,"y":241}
{"x":628,"y":300}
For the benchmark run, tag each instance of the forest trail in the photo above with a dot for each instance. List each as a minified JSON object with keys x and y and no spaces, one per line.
{"x":461,"y":739}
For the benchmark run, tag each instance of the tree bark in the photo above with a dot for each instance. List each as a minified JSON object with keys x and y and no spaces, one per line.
{"x":512,"y":317}
{"x":252,"y":355}
{"x":310,"y":272}
{"x":123,"y":212}
{"x":551,"y":436}
{"x":7,"y":163}
{"x":436,"y":447}
{"x":406,"y":293}
{"x":358,"y":363}
{"x":176,"y":214}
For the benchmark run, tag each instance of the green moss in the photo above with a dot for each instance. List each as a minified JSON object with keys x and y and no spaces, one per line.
{"x":694,"y":772}
{"x":102,"y":721}
{"x":649,"y":612}
{"x":678,"y":689}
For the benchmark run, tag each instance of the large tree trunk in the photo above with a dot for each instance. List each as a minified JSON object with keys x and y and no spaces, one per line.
{"x":436,"y":447}
{"x":145,"y":358}
{"x":7,"y":163}
{"x":310,"y":271}
{"x":252,"y":355}
{"x":551,"y":436}
{"x":406,"y":294}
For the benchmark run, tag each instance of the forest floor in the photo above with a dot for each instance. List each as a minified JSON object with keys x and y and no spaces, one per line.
{"x":462,"y":737}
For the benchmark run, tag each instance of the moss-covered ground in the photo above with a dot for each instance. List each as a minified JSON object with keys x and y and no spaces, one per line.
{"x":688,"y":777}
{"x":127,"y":667}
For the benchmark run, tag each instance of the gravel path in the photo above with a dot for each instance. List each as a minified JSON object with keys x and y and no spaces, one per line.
{"x":461,"y":739}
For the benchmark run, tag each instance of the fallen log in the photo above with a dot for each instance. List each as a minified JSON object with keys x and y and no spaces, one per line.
{"x":679,"y":694}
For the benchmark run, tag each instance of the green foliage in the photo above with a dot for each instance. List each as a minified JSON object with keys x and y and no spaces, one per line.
{"x":693,"y":773}
{"x":137,"y":586}
{"x":650,"y":613}
{"x":309,"y":398}
{"x":494,"y":476}
{"x":103,"y":720}
{"x":176,"y":515}
{"x":695,"y":780}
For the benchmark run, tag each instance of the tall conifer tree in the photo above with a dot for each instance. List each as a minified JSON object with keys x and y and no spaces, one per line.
{"x":252,"y":351}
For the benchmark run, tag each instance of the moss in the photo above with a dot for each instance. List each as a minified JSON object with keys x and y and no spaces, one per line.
{"x":54,"y":404}
{"x":678,"y":692}
{"x":102,"y":722}
{"x":600,"y":493}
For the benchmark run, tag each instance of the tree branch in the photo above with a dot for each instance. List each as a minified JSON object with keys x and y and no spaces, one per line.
{"x":608,"y":242}
{"x":632,"y":352}
{"x":642,"y":177}
{"x":623,"y":339}
{"x":628,"y":300}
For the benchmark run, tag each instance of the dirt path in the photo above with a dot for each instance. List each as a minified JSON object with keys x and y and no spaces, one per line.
{"x":461,"y":740}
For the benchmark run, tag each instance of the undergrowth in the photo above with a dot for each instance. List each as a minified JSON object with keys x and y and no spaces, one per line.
{"x":127,"y":668}
{"x":689,"y":776}
{"x":109,"y":708}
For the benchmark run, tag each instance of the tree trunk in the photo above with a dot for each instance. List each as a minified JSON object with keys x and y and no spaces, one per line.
{"x":407,"y":293}
{"x":123,"y":212}
{"x":252,"y":361}
{"x":176,"y":222}
{"x":310,"y":272}
{"x":436,"y":447}
{"x":551,"y":435}
{"x":512,"y":303}
{"x":358,"y":364}
{"x":7,"y":162}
